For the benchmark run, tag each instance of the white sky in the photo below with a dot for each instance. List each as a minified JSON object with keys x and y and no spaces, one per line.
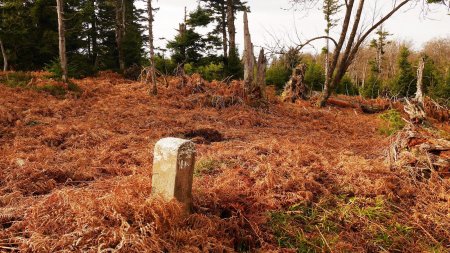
{"x":270,"y":17}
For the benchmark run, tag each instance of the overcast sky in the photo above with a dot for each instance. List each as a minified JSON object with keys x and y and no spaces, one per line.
{"x":270,"y":17}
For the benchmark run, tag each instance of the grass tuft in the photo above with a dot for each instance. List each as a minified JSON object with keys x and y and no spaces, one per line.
{"x":392,"y":122}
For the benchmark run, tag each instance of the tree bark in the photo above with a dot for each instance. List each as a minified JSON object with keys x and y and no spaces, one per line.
{"x":152,"y":49}
{"x":94,"y":35}
{"x":419,"y":93}
{"x":342,"y":65}
{"x":5,"y":57}
{"x":340,"y":62}
{"x":231,"y":27}
{"x":182,"y":31}
{"x":260,"y":85}
{"x":124,"y":13}
{"x":249,"y":60}
{"x":327,"y":58}
{"x":224,"y":31}
{"x":254,"y":86}
{"x":337,"y":51}
{"x":119,"y":33}
{"x":62,"y":39}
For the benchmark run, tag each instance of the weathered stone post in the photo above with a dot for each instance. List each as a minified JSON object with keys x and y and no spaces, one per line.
{"x":173,"y":170}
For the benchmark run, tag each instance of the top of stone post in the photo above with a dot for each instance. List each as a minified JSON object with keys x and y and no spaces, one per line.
{"x":171,"y":144}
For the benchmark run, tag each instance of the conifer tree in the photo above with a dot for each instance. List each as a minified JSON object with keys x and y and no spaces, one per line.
{"x":404,"y":84}
{"x":189,"y":46}
{"x":224,"y":15}
{"x":379,"y":44}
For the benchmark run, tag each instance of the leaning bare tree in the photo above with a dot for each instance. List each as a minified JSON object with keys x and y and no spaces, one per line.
{"x":353,"y":34}
{"x":62,"y":38}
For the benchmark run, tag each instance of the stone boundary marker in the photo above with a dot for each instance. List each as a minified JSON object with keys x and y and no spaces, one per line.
{"x":173,"y":170}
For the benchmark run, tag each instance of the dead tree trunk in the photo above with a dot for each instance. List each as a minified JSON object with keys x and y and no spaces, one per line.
{"x":151,"y":47}
{"x":419,"y":92}
{"x":415,"y":108}
{"x":254,"y":86}
{"x":260,"y":86}
{"x":120,"y":28}
{"x":94,"y":35}
{"x":124,"y":17}
{"x":180,"y":67}
{"x":249,"y":58}
{"x":296,"y":88}
{"x":5,"y":57}
{"x":62,"y":38}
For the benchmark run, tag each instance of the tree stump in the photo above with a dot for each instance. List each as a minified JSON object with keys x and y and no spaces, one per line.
{"x":296,"y":88}
{"x":254,"y":83}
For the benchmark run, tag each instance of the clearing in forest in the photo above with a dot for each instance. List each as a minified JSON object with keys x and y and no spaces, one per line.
{"x":75,"y":175}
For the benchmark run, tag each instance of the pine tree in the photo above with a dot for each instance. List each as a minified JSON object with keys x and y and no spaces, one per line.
{"x":223,"y":13}
{"x":404,"y":85}
{"x":189,"y":46}
{"x":379,"y":44}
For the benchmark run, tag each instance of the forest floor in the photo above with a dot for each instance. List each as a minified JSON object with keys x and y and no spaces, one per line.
{"x":75,"y":175}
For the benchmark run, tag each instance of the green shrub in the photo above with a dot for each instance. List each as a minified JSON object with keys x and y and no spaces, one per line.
{"x":54,"y":90}
{"x":205,"y":166}
{"x":16,"y":79}
{"x":54,"y":68}
{"x":371,"y":88}
{"x":441,"y":91}
{"x":189,"y":69}
{"x":211,"y":72}
{"x":79,"y":66}
{"x":73,"y":87}
{"x":315,"y":76}
{"x":278,"y":75}
{"x":347,"y":87}
{"x":393,"y":122}
{"x":234,"y":68}
{"x":165,"y":66}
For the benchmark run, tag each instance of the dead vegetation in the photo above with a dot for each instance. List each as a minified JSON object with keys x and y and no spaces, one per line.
{"x":76,"y":175}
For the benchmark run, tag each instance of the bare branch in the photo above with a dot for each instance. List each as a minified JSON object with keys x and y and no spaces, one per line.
{"x":301,"y":46}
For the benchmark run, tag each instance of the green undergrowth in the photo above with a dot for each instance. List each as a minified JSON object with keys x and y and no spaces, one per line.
{"x":23,"y":79}
{"x":54,"y":90}
{"x":206,"y":166}
{"x":16,"y":79}
{"x":392,"y":122}
{"x":322,"y":226}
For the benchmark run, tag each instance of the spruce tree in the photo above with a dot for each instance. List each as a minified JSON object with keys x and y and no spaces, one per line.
{"x":404,"y":85}
{"x":189,"y":46}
